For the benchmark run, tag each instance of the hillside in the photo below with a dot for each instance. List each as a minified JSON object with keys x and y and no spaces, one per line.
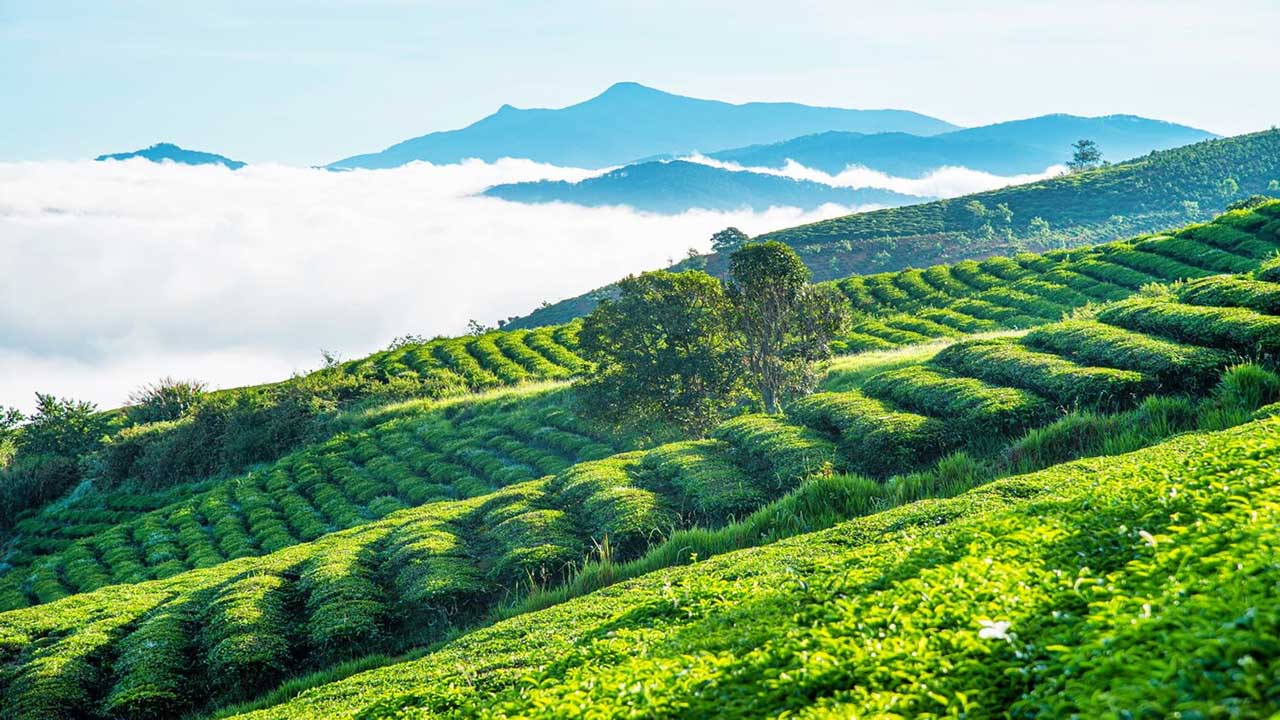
{"x":629,"y":121}
{"x":168,"y":152}
{"x":252,"y":583}
{"x":1009,"y":148}
{"x":422,"y":522}
{"x":676,"y":186}
{"x":1159,"y":192}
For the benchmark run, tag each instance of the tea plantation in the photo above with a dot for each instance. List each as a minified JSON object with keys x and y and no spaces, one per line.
{"x":923,"y":541}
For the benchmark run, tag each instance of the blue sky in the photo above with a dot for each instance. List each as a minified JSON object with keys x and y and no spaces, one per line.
{"x":310,"y":82}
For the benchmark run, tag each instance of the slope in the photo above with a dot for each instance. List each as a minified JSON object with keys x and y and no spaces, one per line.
{"x":1159,"y":192}
{"x":1143,"y":582}
{"x":676,"y":186}
{"x":629,"y":121}
{"x":415,"y":575}
{"x":1009,"y":148}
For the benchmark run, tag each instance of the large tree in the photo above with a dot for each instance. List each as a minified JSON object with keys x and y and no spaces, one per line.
{"x":665,"y":354}
{"x":786,"y":324}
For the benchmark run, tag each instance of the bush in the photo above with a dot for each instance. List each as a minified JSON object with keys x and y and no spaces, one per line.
{"x":1232,"y":329}
{"x":873,"y":437}
{"x":980,"y":409}
{"x":1008,"y":362}
{"x":165,"y":399}
{"x":1233,"y":291}
{"x":780,"y":453}
{"x":1173,"y":365}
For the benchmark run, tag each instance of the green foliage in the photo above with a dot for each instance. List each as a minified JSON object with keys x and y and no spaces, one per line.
{"x":166,"y":399}
{"x":1173,"y":365}
{"x":663,"y":352}
{"x":786,"y":324}
{"x":874,"y":437}
{"x":1239,"y":329}
{"x":1105,"y":584}
{"x":1008,"y":362}
{"x":972,"y":405}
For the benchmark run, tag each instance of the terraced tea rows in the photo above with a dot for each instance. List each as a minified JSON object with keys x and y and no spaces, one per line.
{"x":1143,"y":581}
{"x":912,"y":306}
{"x":411,"y":576}
{"x":419,"y":456}
{"x":481,"y":362}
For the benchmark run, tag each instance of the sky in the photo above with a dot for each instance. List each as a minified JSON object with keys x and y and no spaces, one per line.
{"x":307,"y":82}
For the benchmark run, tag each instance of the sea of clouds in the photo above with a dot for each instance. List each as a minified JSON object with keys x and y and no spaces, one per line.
{"x":118,"y":273}
{"x":944,"y":182}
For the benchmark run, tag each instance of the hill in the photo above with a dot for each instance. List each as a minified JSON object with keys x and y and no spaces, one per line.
{"x":168,"y":152}
{"x":232,"y":591}
{"x":1158,"y":192}
{"x":677,"y":186}
{"x":630,"y":121}
{"x":1009,"y":148}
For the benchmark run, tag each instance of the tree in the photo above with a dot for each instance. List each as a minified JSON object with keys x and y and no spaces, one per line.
{"x":62,"y":427}
{"x":728,"y":240}
{"x":1086,"y":156}
{"x":10,"y":420}
{"x":786,"y":324}
{"x":165,"y":399}
{"x":664,"y":353}
{"x":1228,"y":188}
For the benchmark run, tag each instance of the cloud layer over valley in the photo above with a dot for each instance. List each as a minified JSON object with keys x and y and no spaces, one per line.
{"x":945,"y":182}
{"x":118,"y":273}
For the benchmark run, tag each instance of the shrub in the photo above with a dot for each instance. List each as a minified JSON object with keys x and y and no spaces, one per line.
{"x":1232,"y":329}
{"x":1173,"y":365}
{"x":1008,"y":362}
{"x":164,"y":400}
{"x":1233,"y":291}
{"x":783,"y":454}
{"x":873,"y":437}
{"x":980,"y":408}
{"x":700,"y":478}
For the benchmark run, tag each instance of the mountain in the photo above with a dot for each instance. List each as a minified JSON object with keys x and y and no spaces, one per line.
{"x":1057,"y":523}
{"x":630,"y":121}
{"x":1149,"y":194}
{"x":168,"y":152}
{"x":1008,"y":148}
{"x":676,"y":186}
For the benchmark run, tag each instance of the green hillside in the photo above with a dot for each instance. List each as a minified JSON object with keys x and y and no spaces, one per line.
{"x":515,"y":508}
{"x":1155,"y":193}
{"x":1141,"y":582}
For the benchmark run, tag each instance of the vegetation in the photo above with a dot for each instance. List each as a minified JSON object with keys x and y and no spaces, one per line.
{"x":1150,"y":194}
{"x":664,"y":352}
{"x":498,"y":554}
{"x":174,"y":432}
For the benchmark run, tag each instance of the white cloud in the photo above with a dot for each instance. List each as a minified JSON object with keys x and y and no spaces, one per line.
{"x":117,"y":273}
{"x":944,"y":182}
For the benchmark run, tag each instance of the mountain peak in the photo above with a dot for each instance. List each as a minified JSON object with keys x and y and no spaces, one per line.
{"x":168,"y":152}
{"x":628,"y":89}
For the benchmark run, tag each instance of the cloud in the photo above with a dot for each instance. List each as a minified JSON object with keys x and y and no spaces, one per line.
{"x":945,"y":182}
{"x":117,"y":273}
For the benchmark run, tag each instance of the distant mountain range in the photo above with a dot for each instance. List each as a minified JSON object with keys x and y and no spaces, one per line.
{"x":630,"y":121}
{"x":1163,"y":190}
{"x":676,"y":186}
{"x":162,"y":152}
{"x":1008,"y":148}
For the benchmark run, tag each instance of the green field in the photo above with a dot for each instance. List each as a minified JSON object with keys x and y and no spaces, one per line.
{"x":1066,"y":508}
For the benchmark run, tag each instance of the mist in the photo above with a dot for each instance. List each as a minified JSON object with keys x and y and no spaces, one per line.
{"x":118,"y":273}
{"x":944,"y":182}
